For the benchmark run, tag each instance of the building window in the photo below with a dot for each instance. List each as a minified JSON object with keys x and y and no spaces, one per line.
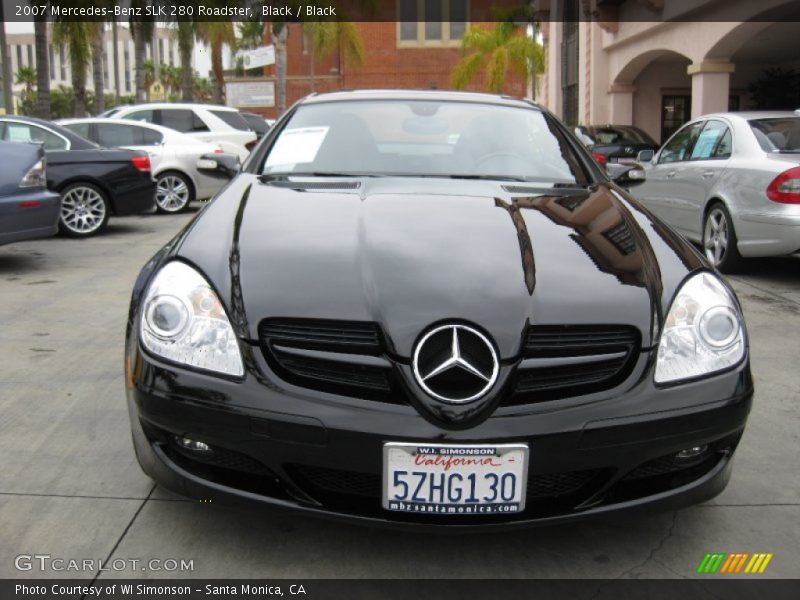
{"x":569,"y":63}
{"x":161,"y":55}
{"x":675,"y":111}
{"x":19,"y":57}
{"x":431,"y":22}
{"x":29,"y":51}
{"x":52,"y":56}
{"x":172,"y":54}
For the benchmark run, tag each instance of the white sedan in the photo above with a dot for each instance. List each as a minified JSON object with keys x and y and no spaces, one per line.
{"x":731,"y":182}
{"x":173,"y":157}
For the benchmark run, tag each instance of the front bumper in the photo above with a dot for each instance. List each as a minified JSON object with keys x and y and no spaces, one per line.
{"x":322,"y":454}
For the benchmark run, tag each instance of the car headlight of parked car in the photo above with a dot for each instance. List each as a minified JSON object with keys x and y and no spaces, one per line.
{"x":184,"y":321}
{"x":36,"y":176}
{"x":703,"y":332}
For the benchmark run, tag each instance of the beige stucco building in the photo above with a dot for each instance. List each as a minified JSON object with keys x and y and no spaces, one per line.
{"x":657,"y":63}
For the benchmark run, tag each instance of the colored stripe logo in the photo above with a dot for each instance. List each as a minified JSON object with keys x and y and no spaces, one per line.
{"x":734,"y":563}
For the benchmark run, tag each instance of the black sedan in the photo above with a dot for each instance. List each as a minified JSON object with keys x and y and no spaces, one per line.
{"x":433,"y":309}
{"x":94,"y":182}
{"x":615,"y":143}
{"x":27,"y":209}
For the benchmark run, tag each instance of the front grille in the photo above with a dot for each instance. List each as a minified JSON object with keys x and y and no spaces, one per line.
{"x":323,"y":480}
{"x":320,"y":481}
{"x":356,"y":337}
{"x":554,"y":485}
{"x":331,"y":356}
{"x":570,"y":360}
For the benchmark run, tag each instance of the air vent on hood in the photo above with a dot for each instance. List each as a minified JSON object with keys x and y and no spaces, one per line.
{"x":316,"y":185}
{"x":560,"y":361}
{"x":339,"y":357}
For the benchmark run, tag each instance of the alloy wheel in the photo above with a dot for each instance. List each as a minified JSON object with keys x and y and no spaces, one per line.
{"x":172,"y":193}
{"x":83,"y":210}
{"x":716,"y":237}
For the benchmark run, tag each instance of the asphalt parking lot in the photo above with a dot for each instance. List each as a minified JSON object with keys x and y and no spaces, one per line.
{"x":70,"y":486}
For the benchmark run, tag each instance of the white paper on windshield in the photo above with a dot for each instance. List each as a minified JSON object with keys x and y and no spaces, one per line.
{"x":299,"y":145}
{"x":18,"y":133}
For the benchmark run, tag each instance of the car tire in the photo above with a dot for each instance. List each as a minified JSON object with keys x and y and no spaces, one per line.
{"x":174,"y":192}
{"x":720,"y":244}
{"x":84,"y":210}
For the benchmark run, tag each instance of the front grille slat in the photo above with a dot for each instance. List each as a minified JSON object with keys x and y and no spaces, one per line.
{"x":608,"y":353}
{"x":357,"y":342}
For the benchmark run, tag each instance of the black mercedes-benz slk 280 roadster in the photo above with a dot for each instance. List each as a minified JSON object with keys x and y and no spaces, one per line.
{"x":434,"y":309}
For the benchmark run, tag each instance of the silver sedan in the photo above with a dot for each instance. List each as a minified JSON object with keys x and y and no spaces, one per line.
{"x":730,"y":182}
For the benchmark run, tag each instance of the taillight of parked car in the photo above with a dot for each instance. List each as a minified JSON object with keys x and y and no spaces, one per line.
{"x":141,"y":163}
{"x":601,"y":159}
{"x":785,"y":187}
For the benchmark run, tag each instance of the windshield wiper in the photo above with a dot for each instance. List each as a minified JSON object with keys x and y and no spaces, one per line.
{"x":284,"y":175}
{"x":488,"y":177}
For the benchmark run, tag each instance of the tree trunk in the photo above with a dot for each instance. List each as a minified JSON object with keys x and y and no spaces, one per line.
{"x":216,"y":67}
{"x":97,"y":68}
{"x":185,"y":47}
{"x":42,"y":69}
{"x":311,"y":63}
{"x":6,"y":66}
{"x":117,"y":83}
{"x":140,"y":51}
{"x":280,"y":66}
{"x":79,"y":88}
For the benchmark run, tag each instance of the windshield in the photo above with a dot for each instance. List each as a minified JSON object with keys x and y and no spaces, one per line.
{"x":619,"y":135}
{"x":777,"y":134}
{"x":424,"y":139}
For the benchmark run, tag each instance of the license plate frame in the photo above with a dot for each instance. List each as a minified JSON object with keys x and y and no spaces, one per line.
{"x":506,"y":454}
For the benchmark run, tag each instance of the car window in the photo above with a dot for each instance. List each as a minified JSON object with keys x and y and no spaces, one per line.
{"x":150,"y":137}
{"x":777,"y":134}
{"x":181,"y":119}
{"x":82,"y":129}
{"x":141,"y":115}
{"x":232,"y":118}
{"x":619,"y":135}
{"x":24,"y":132}
{"x":424,"y":138}
{"x":714,"y":141}
{"x":112,"y":135}
{"x":680,"y":145}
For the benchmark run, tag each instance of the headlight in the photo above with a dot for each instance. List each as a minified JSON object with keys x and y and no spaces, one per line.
{"x":703,"y":332}
{"x":184,"y":321}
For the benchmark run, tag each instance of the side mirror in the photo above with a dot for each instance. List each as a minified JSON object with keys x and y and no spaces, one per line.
{"x":221,"y":166}
{"x":633,"y":176}
{"x":645,"y":156}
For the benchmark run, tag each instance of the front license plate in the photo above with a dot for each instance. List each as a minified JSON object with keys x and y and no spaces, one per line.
{"x":480,"y":479}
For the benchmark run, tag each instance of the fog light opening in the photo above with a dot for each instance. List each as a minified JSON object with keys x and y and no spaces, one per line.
{"x":690,"y":453}
{"x":193,"y":445}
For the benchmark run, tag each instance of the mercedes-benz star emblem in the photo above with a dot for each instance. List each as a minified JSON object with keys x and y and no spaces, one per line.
{"x":629,"y":150}
{"x":455,"y":364}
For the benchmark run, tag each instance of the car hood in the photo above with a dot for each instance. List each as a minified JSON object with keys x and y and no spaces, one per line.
{"x":407,"y":254}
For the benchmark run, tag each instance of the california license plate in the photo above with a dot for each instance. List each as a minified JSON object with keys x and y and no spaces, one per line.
{"x":481,"y":479}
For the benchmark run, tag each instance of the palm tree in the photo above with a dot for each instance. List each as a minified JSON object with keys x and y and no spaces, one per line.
{"x":185,"y":35}
{"x":280,"y":32}
{"x":142,"y":33}
{"x":8,"y":97}
{"x":26,"y":76}
{"x":76,"y":37}
{"x":97,"y":32}
{"x":42,"y":67}
{"x":324,"y":37}
{"x":495,"y":50}
{"x":215,"y":34}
